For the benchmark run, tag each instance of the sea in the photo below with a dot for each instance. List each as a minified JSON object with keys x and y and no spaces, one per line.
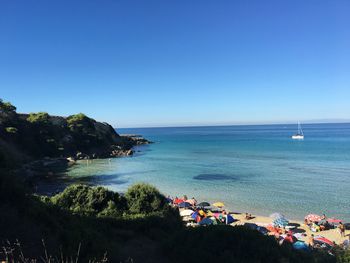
{"x":253,"y":168}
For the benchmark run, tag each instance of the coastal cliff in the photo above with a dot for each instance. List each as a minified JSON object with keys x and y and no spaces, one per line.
{"x":28,"y":137}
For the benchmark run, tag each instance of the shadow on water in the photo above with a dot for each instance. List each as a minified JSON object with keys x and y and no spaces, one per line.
{"x":216,"y":177}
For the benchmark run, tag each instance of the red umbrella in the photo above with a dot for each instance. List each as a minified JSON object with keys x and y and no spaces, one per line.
{"x":334,"y":220}
{"x":324,"y":240}
{"x":313,"y":218}
{"x":178,"y":201}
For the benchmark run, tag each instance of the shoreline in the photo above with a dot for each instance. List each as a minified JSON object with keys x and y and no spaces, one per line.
{"x":264,"y":221}
{"x":331,"y":234}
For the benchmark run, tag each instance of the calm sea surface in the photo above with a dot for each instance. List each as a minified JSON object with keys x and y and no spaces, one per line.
{"x":259,"y":169}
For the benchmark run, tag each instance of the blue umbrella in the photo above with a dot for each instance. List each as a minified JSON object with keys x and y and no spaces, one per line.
{"x":206,"y":222}
{"x":194,"y":215}
{"x":184,"y":205}
{"x":229,"y":219}
{"x":281,"y":222}
{"x":203,"y":204}
{"x":263,"y":230}
{"x":300,"y":245}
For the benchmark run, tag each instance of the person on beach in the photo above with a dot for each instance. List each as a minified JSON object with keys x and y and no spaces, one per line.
{"x":248,"y":216}
{"x":323,"y":217}
{"x":341,"y":229}
{"x":194,"y":201}
{"x":169,"y":199}
{"x":311,"y":241}
{"x":307,"y":222}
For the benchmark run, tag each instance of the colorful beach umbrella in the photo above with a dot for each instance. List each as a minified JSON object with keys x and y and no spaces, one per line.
{"x":323,"y":241}
{"x":202,"y":213}
{"x":203,"y":204}
{"x":280,"y":222}
{"x":219,"y":204}
{"x":186,"y":212}
{"x":300,"y":245}
{"x":313,"y":217}
{"x":334,"y":220}
{"x":229,"y":219}
{"x":178,"y":201}
{"x":194,"y":214}
{"x":184,"y":205}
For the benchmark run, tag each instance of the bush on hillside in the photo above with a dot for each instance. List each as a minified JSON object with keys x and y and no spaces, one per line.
{"x":144,"y":198}
{"x":79,"y":123}
{"x":6,"y":107}
{"x":8,"y":115}
{"x":342,"y":256}
{"x":88,"y":200}
{"x":40,"y":118}
{"x":11,"y":130}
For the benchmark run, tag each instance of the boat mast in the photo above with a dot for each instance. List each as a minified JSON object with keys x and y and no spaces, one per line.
{"x":300,"y":131}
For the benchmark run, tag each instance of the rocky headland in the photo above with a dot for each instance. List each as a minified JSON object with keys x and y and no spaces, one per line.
{"x":42,"y":144}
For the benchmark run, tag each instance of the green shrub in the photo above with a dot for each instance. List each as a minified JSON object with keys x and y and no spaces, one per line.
{"x":86,"y":200}
{"x":342,"y":256}
{"x":77,"y":121}
{"x":11,"y":129}
{"x":6,"y":107}
{"x":40,"y":117}
{"x":144,"y":198}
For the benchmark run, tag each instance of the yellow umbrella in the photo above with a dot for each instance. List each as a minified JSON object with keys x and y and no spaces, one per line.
{"x":219,"y":204}
{"x":202,"y":213}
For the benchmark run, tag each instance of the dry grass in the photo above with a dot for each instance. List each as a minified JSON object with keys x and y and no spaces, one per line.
{"x":13,"y":253}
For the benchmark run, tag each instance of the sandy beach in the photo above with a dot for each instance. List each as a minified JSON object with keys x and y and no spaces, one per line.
{"x":331,"y":234}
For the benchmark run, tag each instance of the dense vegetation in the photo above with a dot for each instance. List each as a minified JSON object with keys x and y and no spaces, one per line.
{"x":37,"y":135}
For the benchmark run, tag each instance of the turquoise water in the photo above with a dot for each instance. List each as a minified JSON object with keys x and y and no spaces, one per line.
{"x":251,"y":168}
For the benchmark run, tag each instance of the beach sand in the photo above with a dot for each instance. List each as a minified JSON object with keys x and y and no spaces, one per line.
{"x":331,"y":234}
{"x":264,"y":221}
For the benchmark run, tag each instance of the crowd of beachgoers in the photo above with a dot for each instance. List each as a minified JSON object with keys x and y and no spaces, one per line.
{"x":315,"y":232}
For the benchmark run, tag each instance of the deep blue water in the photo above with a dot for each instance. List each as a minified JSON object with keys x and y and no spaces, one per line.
{"x":259,"y":169}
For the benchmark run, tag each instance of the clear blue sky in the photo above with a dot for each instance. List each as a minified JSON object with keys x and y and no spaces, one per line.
{"x":183,"y":62}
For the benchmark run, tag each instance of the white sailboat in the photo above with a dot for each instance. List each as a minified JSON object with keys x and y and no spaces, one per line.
{"x":299,"y":135}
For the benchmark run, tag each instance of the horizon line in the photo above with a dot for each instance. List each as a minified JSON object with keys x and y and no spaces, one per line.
{"x":237,"y":124}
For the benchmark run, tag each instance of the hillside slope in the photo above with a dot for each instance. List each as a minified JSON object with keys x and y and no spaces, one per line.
{"x":31,"y":136}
